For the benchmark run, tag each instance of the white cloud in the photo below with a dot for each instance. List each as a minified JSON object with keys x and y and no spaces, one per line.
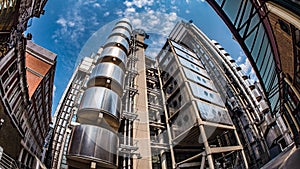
{"x":161,"y":23}
{"x":139,"y":3}
{"x":54,"y":90}
{"x":62,"y":22}
{"x":119,"y":13}
{"x":175,"y":8}
{"x":128,"y":4}
{"x":172,"y":16}
{"x":187,"y":1}
{"x":137,"y":22}
{"x":71,"y":24}
{"x":187,"y":11}
{"x":239,"y":59}
{"x":106,"y":13}
{"x":96,"y":5}
{"x":129,"y":10}
{"x":247,"y":68}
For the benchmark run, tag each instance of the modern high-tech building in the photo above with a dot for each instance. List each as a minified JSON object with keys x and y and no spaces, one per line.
{"x":202,"y":133}
{"x":263,"y":135}
{"x":27,"y":105}
{"x":191,"y":107}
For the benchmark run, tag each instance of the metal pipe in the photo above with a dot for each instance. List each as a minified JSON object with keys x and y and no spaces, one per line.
{"x":124,"y":142}
{"x":167,"y":118}
{"x":207,"y":148}
{"x":129,"y":142}
{"x":243,"y":153}
{"x":202,"y":162}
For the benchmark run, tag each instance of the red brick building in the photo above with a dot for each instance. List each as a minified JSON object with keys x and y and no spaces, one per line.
{"x":26,"y":104}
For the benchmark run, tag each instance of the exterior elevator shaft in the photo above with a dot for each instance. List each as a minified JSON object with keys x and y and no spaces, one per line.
{"x":95,"y":141}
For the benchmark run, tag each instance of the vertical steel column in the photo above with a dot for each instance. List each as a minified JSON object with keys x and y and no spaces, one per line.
{"x":167,"y":117}
{"x":243,"y":153}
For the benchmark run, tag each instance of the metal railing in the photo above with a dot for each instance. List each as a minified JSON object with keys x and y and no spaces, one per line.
{"x":6,"y":162}
{"x":5,"y":4}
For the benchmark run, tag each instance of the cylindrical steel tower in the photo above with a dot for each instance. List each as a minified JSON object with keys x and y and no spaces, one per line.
{"x":95,"y":142}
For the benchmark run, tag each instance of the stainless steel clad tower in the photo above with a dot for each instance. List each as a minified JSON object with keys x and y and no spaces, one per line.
{"x":95,"y":141}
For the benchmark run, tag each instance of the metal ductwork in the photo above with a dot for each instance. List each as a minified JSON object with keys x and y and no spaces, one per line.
{"x":95,"y":141}
{"x":100,"y":107}
{"x":107,"y":75}
{"x":114,"y":55}
{"x":119,"y":41}
{"x":93,"y":144}
{"x":122,"y":32}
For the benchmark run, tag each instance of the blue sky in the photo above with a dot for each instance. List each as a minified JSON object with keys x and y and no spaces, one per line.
{"x":67,"y":26}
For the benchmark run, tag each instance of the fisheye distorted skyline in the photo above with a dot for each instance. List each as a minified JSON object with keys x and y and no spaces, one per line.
{"x":67,"y":26}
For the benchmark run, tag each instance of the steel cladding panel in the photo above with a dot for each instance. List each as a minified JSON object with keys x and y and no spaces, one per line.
{"x":197,"y":68}
{"x":187,"y":57}
{"x":206,"y":94}
{"x":109,"y":70}
{"x":163,"y":53}
{"x":118,"y":39}
{"x":113,"y":51}
{"x":105,"y":71}
{"x":122,"y":31}
{"x":199,"y":79}
{"x":101,"y":99}
{"x":184,"y":49}
{"x":177,"y":100}
{"x":184,"y":120}
{"x":122,"y":24}
{"x":166,"y":60}
{"x":94,"y":144}
{"x":213,"y":113}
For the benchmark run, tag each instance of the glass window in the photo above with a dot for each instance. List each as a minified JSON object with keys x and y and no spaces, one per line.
{"x":250,"y":39}
{"x":246,"y":13}
{"x":265,"y":45}
{"x":231,"y":7}
{"x":284,"y":26}
{"x":205,"y":92}
{"x":258,"y":41}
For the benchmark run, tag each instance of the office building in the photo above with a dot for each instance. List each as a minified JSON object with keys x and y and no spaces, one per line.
{"x":27,"y":104}
{"x":14,"y":16}
{"x":190,"y":107}
{"x":262,"y":134}
{"x":151,"y":133}
{"x":15,"y":100}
